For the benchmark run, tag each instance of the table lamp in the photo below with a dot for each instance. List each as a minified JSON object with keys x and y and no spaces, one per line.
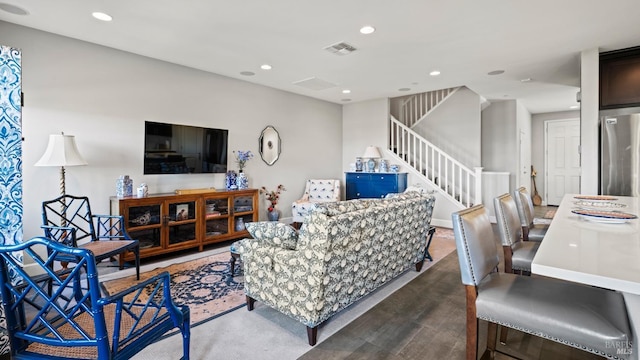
{"x":61,"y":151}
{"x":371,"y":153}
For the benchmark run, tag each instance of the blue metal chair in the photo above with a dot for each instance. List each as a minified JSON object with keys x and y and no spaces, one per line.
{"x":68,"y":219}
{"x":74,"y":321}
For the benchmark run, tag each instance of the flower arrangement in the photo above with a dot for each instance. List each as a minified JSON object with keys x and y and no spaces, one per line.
{"x":242,"y":157}
{"x":272,"y":195}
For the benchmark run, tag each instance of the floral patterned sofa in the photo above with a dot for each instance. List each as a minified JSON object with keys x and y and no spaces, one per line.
{"x":343,"y":251}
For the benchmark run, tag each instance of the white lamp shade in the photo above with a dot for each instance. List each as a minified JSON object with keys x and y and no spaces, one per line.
{"x":61,"y":151}
{"x":371,"y":152}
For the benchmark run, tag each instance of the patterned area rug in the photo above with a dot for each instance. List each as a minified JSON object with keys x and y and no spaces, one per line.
{"x":203,"y":284}
{"x":444,"y":233}
{"x":550,"y":214}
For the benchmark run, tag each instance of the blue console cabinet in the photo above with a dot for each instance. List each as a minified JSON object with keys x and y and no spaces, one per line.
{"x":374,"y":185}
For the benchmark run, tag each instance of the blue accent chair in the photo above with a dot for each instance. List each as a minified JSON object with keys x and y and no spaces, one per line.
{"x":68,"y":219}
{"x":74,"y":320}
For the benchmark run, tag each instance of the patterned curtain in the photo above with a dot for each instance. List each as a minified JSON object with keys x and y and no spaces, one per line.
{"x":11,"y":210}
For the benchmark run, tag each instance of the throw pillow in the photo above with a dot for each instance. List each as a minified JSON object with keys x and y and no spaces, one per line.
{"x":274,"y":233}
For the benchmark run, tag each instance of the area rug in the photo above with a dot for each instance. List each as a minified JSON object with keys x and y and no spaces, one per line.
{"x":550,"y":214}
{"x":203,"y":284}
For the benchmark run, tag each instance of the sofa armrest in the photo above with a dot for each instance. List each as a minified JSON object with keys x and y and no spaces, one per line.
{"x":274,"y":233}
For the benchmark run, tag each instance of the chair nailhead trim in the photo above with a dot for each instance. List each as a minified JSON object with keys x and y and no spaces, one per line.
{"x":556,"y":339}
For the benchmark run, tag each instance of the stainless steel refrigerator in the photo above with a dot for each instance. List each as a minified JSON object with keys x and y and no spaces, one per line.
{"x":620,"y":152}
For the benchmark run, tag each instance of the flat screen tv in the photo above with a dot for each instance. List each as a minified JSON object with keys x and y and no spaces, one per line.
{"x":182,"y":149}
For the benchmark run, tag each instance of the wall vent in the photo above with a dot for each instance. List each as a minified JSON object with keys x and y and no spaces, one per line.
{"x":341,"y":48}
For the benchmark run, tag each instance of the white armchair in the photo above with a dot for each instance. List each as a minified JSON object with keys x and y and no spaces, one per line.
{"x":316,"y":191}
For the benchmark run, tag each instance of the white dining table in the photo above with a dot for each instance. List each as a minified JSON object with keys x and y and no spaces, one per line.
{"x":587,"y":250}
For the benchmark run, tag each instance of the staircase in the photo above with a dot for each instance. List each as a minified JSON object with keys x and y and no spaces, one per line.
{"x":447,"y":175}
{"x":418,"y":106}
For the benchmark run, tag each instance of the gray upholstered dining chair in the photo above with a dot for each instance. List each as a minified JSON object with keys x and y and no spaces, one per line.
{"x":530,"y":230}
{"x":518,"y":254}
{"x":588,"y":318}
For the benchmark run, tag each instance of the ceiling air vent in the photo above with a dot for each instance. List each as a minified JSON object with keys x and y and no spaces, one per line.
{"x":341,"y":48}
{"x":314,"y":83}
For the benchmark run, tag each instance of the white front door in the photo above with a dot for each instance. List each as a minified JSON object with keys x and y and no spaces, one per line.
{"x":562,"y":139}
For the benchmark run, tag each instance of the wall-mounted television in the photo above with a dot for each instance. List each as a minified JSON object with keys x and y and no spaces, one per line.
{"x":183,"y":149}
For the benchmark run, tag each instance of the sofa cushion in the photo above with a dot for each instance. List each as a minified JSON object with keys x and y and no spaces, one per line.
{"x":274,"y":233}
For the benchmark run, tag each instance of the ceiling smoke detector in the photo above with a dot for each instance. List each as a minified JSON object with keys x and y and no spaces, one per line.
{"x":341,"y":48}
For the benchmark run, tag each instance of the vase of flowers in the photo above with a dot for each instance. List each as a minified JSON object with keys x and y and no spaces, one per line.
{"x":272,"y":196}
{"x":241,"y":158}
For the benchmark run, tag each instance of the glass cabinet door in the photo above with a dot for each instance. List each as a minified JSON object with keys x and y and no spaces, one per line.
{"x":242,"y":204}
{"x":181,"y":220}
{"x":216,"y":216}
{"x":242,"y":211}
{"x":144,"y":224}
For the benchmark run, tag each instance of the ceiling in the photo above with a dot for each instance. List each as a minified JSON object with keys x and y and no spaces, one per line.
{"x":464,"y":39}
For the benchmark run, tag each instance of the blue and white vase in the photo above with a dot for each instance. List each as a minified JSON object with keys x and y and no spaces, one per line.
{"x":241,"y":181}
{"x":384,"y":166}
{"x":358,"y":164}
{"x":273,"y":215}
{"x":230,"y":180}
{"x":239,"y":224}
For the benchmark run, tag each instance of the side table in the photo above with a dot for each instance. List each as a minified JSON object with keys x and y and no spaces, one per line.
{"x":234,"y":256}
{"x":430,"y":232}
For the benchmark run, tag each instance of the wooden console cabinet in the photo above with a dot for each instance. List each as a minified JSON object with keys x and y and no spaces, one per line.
{"x":164,"y":223}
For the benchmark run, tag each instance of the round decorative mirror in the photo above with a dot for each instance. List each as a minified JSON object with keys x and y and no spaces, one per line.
{"x":269,"y":145}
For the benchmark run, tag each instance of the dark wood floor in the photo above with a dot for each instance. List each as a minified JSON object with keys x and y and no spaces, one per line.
{"x":425,"y":319}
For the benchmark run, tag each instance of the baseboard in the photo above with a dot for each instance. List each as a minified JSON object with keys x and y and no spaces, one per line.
{"x":442,"y":223}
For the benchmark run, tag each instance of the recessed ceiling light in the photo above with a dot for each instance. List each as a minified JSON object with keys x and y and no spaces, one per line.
{"x":346,"y":91}
{"x":247,"y":73}
{"x":404,"y":89}
{"x":367,"y":30}
{"x":13,"y":9}
{"x":265,"y":67}
{"x":434,"y":73}
{"x":101,"y":16}
{"x":496,"y":72}
{"x":574,"y":106}
{"x":526,"y":80}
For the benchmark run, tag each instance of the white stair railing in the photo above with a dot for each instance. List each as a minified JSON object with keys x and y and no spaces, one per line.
{"x":450,"y":177}
{"x":416,"y":107}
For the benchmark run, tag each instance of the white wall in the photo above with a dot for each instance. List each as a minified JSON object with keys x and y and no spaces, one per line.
{"x":366,"y":125}
{"x":103,"y":96}
{"x":499,"y":139}
{"x":454,"y":127}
